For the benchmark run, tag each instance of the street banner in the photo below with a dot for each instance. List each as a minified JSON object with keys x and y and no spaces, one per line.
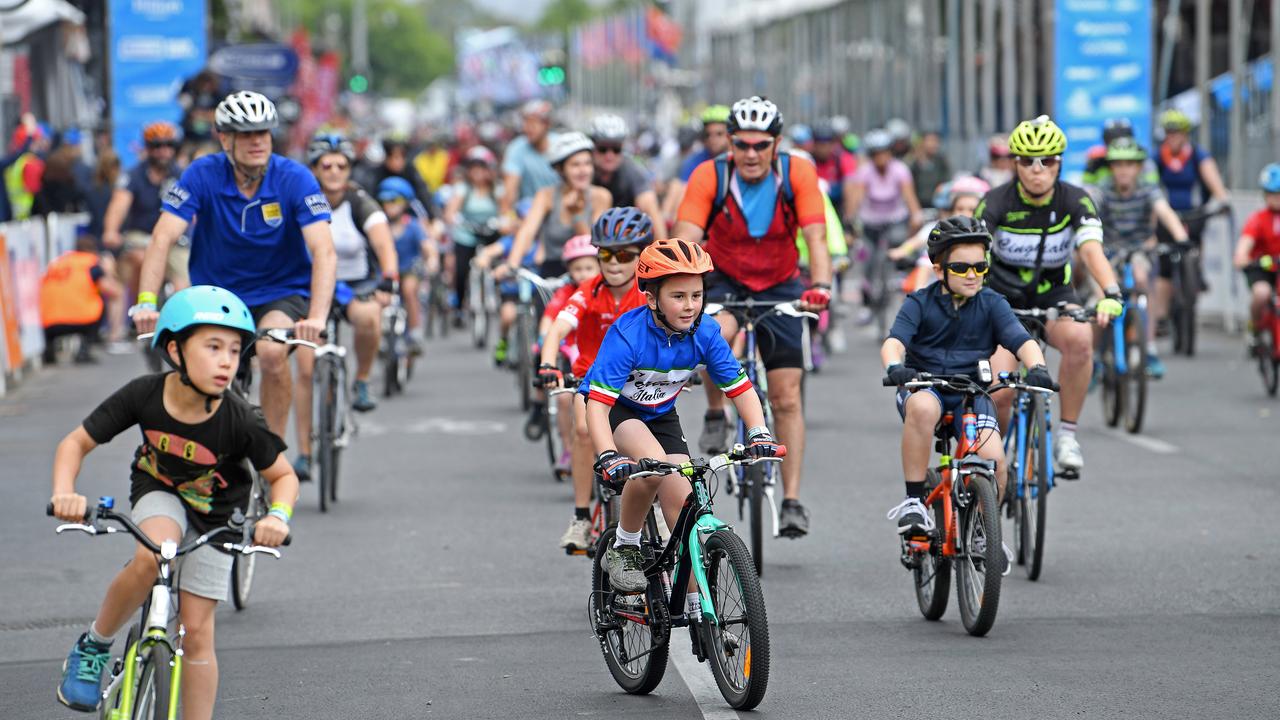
{"x":1103,"y":59}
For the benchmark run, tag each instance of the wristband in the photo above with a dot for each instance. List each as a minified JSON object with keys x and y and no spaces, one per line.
{"x":1112,"y":291}
{"x":140,"y":307}
{"x":282,"y":510}
{"x":757,"y":431}
{"x":822,"y":286}
{"x":279,"y":515}
{"x":148,"y":298}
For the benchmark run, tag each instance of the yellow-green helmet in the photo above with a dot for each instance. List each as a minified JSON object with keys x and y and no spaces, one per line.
{"x":1175,"y":120}
{"x":716,"y":114}
{"x":1037,"y":138}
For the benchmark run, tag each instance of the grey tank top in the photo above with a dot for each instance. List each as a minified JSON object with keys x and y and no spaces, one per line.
{"x":554,"y":234}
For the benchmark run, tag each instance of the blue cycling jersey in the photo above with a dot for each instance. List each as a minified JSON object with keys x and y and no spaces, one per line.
{"x":644,"y":368}
{"x":250,"y":246}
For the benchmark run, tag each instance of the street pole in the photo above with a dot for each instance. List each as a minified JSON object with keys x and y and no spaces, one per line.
{"x":1203,"y":28}
{"x":360,"y":37}
{"x":1027,"y":64}
{"x":955,"y":126}
{"x":1236,"y":48}
{"x":1275,"y":72}
{"x":989,"y":53}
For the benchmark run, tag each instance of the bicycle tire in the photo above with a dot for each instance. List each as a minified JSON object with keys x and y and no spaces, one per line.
{"x":390,"y":365}
{"x":337,"y":425}
{"x":242,"y":566}
{"x":321,"y":428}
{"x":637,"y":677}
{"x":932,"y":579}
{"x":477,"y":308}
{"x":1110,"y":382}
{"x":524,"y":361}
{"x":1035,"y":501}
{"x":552,"y":438}
{"x":755,"y":492}
{"x":1268,"y":366}
{"x":1134,"y":403}
{"x":747,"y":692}
{"x":151,"y":702}
{"x":978,"y":588}
{"x":1184,"y":324}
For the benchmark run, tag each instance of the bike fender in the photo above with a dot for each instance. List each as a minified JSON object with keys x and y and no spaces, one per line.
{"x":703,"y":527}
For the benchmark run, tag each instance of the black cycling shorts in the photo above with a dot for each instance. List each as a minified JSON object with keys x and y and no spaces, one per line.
{"x":779,"y":338}
{"x":1256,"y":274}
{"x":666,"y":428}
{"x":294,"y":306}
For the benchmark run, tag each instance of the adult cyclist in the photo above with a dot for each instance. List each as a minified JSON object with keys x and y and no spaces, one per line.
{"x":715,"y":142}
{"x":1038,"y":222}
{"x":746,"y":207}
{"x":263,"y":234}
{"x":629,"y":184}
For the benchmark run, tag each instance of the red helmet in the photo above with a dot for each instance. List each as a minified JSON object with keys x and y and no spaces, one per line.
{"x":672,"y":256}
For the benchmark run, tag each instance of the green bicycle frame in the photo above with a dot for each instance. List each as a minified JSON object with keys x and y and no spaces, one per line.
{"x":705,"y":524}
{"x":154,"y":636}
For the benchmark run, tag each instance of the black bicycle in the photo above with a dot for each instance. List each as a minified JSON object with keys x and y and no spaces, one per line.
{"x":1187,"y":278}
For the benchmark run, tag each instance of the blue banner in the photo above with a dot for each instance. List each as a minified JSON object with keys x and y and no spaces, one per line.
{"x":155,"y":45}
{"x":1104,"y":61}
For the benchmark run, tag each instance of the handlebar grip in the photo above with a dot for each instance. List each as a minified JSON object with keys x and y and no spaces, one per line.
{"x":48,"y":510}
{"x":782,"y":451}
{"x":888,"y":382}
{"x":288,"y":539}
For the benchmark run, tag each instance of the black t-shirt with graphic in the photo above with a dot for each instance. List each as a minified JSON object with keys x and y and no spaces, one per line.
{"x":202,"y":463}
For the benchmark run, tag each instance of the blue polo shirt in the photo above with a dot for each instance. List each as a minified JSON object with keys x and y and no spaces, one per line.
{"x":250,"y":246}
{"x":945,"y":340}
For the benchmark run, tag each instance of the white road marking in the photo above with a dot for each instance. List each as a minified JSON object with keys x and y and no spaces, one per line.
{"x":1146,"y":443}
{"x":697,"y":676}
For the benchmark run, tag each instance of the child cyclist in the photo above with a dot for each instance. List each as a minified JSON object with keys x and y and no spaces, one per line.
{"x":946,"y":328}
{"x":187,"y":478}
{"x":583,"y":265}
{"x":646,"y":358}
{"x":1257,"y":248}
{"x":419,"y":258}
{"x":619,"y":234}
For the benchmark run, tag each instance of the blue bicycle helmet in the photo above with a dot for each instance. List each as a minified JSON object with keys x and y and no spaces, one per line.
{"x":329,"y":142}
{"x":202,"y":305}
{"x":394,"y":187}
{"x":1270,"y":178}
{"x":622,"y":226}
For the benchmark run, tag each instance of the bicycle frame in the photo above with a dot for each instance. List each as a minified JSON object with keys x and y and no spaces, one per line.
{"x":1134,"y":301}
{"x":1020,"y":421}
{"x":950,"y":469}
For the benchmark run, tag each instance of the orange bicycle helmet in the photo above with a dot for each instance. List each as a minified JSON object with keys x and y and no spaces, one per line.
{"x":160,"y":133}
{"x":672,"y":257}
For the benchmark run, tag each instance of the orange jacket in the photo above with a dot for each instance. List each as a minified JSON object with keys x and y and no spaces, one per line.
{"x":68,"y":293}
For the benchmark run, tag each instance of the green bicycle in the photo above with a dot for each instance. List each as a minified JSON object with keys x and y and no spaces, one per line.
{"x":732,"y":631}
{"x":145,"y":684}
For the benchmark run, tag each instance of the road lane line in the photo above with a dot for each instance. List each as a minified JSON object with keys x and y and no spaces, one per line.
{"x":697,"y":677}
{"x":1146,"y":443}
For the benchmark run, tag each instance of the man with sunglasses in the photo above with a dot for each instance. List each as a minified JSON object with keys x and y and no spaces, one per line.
{"x":1039,"y":223}
{"x":748,"y":208}
{"x":135,"y":208}
{"x":630,"y":185}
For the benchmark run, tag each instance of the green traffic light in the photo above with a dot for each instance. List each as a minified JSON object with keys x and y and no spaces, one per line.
{"x":358,"y":84}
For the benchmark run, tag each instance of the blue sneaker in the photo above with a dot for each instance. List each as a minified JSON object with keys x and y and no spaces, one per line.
{"x":81,"y":687}
{"x":1155,"y":368}
{"x":302,"y":467}
{"x":363,"y":401}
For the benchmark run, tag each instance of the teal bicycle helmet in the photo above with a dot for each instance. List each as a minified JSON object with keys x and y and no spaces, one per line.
{"x":195,"y":306}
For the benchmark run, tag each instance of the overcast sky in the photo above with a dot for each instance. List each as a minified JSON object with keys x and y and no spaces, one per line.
{"x":521,"y":10}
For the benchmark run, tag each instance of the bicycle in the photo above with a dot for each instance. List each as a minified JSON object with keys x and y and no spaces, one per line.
{"x":962,"y":498}
{"x":884,"y":275}
{"x":1186,"y":277}
{"x":393,"y":351}
{"x":436,"y":306}
{"x":754,"y":486}
{"x":732,"y":629}
{"x":1266,"y":339}
{"x":526,"y":328}
{"x":558,"y":444}
{"x":482,"y":304}
{"x":331,"y":423}
{"x":1124,"y":354}
{"x":146,"y":682}
{"x":1028,"y":443}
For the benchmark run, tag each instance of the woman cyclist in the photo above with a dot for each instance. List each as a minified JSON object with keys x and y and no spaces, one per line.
{"x":472,"y":214}
{"x":884,"y":202}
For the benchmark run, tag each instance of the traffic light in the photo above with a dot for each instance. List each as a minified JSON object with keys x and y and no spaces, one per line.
{"x":550,"y":75}
{"x":359,"y":83}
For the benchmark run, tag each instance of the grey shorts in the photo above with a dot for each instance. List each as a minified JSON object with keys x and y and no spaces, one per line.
{"x":204,"y":571}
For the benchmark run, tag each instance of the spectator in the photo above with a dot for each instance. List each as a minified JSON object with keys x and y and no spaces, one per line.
{"x":71,"y":298}
{"x":434,"y":162}
{"x":199,"y":98}
{"x":929,"y":167}
{"x":59,"y":192}
{"x":24,"y":168}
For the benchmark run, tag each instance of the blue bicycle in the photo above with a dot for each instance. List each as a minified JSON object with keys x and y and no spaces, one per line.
{"x":755,"y":484}
{"x":1027,"y":443}
{"x":1124,"y":353}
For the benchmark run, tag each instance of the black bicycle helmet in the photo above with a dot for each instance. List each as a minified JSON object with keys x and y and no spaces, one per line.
{"x":956,"y":230}
{"x":1115,"y":128}
{"x":622,"y":226}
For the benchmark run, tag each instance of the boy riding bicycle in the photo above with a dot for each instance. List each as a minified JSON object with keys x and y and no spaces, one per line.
{"x":187,"y":478}
{"x":646,"y":358}
{"x":946,"y":328}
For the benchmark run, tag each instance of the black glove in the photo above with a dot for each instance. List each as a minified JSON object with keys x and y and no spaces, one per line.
{"x":763,"y":445}
{"x":615,"y":467}
{"x":550,"y":376}
{"x":1038,"y":376}
{"x":900,"y":374}
{"x":389,"y":285}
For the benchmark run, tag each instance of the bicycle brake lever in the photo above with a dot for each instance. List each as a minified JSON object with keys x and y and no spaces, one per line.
{"x":89,"y":529}
{"x":251,"y":549}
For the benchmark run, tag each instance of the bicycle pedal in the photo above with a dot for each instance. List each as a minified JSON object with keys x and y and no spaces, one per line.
{"x":1067,"y":473}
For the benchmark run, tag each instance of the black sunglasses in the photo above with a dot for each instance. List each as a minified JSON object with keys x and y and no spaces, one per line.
{"x":622,"y":256}
{"x":744,"y":146}
{"x":155,"y":145}
{"x":979,"y":268}
{"x":334,"y":165}
{"x":605,"y":149}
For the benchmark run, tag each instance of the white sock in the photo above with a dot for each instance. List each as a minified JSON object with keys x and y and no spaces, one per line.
{"x":97,"y":637}
{"x":1152,"y":348}
{"x":692,"y":604}
{"x":626,"y":538}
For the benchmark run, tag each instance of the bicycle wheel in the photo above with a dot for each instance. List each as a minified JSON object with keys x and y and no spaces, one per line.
{"x":390,"y":364}
{"x":337,"y":425}
{"x":552,"y":438}
{"x":981,"y":557}
{"x":754,"y":479}
{"x":524,"y":359}
{"x":152,"y":698}
{"x":1267,"y":364}
{"x":625,"y":627}
{"x":1134,"y":400}
{"x":1033,"y":506}
{"x":1184,"y":320}
{"x":476,"y":304}
{"x":322,"y":428}
{"x":242,"y":566}
{"x":739,"y":645}
{"x":933,"y":576}
{"x":1112,"y":397}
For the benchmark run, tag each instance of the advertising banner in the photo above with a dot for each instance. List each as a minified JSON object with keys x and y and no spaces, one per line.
{"x":25,"y":246}
{"x":1104,"y":61}
{"x":155,"y":45}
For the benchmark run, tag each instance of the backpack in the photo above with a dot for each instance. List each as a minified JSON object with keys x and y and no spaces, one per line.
{"x":723,"y":167}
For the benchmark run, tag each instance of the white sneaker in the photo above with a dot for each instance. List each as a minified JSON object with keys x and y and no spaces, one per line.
{"x":1067,"y":456}
{"x":911,"y":513}
{"x":577,"y":536}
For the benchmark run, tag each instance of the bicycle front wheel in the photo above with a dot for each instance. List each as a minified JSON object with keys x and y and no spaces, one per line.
{"x":739,"y":645}
{"x":476,"y":307}
{"x":981,"y":558}
{"x":632,"y":629}
{"x":933,"y":575}
{"x":242,"y":566}
{"x":1268,"y":366}
{"x":1112,"y":397}
{"x":754,"y":479}
{"x":524,"y":358}
{"x":152,"y":698}
{"x":1184,"y":319}
{"x":1135,"y":381}
{"x":1033,"y":506}
{"x":322,"y":401}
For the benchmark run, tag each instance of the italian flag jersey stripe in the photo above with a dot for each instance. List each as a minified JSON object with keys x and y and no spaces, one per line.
{"x":740,"y":385}
{"x":603,"y":393}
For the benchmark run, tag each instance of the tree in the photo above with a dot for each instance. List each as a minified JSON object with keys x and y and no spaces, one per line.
{"x":562,"y":15}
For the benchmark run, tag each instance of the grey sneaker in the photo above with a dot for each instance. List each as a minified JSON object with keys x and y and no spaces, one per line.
{"x":793,"y":521}
{"x":578,"y":536}
{"x":625,"y":568}
{"x":363,"y":400}
{"x":715,"y":434}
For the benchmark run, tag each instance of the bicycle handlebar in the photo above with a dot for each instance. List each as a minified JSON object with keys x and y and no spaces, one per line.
{"x":1058,"y":312}
{"x":238,"y":523}
{"x":964,"y":384}
{"x":737,"y":455}
{"x":786,"y":307}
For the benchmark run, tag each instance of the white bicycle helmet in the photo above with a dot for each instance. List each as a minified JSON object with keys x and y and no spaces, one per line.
{"x":876,"y":141}
{"x":755,"y":113}
{"x":245,"y":111}
{"x":566,"y":145}
{"x":609,"y":127}
{"x":898,"y":129}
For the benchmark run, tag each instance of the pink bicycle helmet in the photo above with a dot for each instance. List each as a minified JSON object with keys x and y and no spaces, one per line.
{"x":579,"y":246}
{"x":969,"y":185}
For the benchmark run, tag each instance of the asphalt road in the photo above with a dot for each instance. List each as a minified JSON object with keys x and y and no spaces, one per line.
{"x":435,"y":588}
